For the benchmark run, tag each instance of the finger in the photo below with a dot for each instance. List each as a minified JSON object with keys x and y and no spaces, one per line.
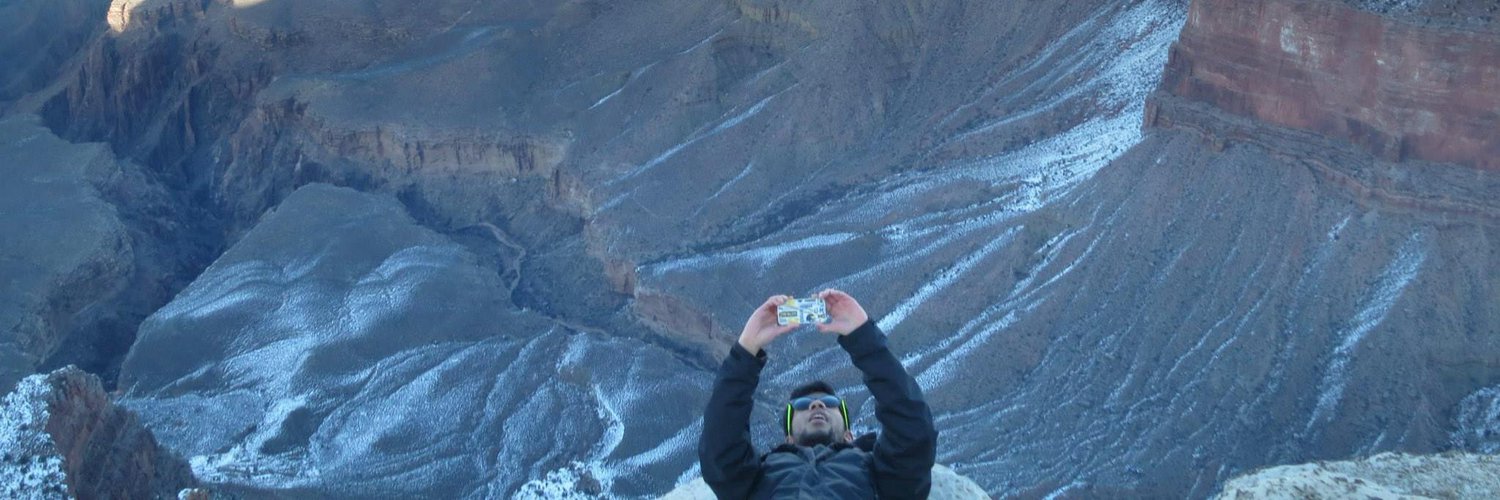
{"x":771,"y":303}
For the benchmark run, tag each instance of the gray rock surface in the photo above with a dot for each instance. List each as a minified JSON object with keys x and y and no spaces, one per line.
{"x":1383,"y":476}
{"x":65,"y":249}
{"x":37,"y":39}
{"x":341,"y":349}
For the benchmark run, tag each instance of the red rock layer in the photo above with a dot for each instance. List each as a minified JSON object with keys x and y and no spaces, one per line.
{"x":106,"y":451}
{"x":1400,"y":88}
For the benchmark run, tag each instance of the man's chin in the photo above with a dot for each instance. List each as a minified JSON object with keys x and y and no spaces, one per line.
{"x":814,"y":438}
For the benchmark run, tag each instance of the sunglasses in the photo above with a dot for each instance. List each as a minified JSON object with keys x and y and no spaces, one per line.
{"x":806,"y":402}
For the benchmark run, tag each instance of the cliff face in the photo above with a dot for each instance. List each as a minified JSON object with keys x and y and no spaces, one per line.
{"x":1404,"y":87}
{"x":56,"y":279}
{"x":287,"y":142}
{"x":64,"y":438}
{"x":38,"y":37}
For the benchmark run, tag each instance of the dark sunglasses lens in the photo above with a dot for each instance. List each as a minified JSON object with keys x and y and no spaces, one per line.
{"x":805,"y":402}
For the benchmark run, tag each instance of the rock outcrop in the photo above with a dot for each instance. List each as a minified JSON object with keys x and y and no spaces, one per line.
{"x":62,"y":437}
{"x":288,"y":141}
{"x":1385,"y":476}
{"x":1402,"y":87}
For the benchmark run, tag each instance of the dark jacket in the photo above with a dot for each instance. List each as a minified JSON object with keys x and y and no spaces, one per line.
{"x":899,"y":465}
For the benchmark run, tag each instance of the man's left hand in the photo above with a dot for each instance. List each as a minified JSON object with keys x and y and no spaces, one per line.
{"x":844,"y":313}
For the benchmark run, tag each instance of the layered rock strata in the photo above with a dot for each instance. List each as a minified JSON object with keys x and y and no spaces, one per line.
{"x":283,"y":144}
{"x":62,"y":437}
{"x":1398,"y":87}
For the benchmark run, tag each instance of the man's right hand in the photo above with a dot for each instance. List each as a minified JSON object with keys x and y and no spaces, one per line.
{"x":761,"y":328}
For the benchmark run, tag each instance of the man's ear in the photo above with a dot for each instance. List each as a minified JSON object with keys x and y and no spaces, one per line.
{"x":848,"y":436}
{"x":789,"y":440}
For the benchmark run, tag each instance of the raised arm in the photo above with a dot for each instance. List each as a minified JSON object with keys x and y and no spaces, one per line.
{"x":907,"y":446}
{"x":725,"y":455}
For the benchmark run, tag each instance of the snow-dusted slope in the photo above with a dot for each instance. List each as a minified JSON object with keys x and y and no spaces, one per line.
{"x":376,"y":359}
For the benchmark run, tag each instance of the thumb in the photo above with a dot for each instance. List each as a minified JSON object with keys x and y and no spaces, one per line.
{"x":779,"y":330}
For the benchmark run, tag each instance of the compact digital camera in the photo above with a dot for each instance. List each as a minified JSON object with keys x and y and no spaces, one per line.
{"x":802,"y":311}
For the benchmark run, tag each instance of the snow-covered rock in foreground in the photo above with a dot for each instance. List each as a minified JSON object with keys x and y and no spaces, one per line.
{"x":61,"y":437}
{"x":31,"y":467}
{"x":1385,"y":476}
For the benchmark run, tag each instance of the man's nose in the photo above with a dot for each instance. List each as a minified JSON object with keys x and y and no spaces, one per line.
{"x":817,"y":403}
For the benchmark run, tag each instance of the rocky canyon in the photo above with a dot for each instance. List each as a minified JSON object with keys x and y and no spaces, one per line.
{"x":458,"y":249}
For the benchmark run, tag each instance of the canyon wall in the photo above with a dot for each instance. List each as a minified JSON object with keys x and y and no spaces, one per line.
{"x":1403,"y":86}
{"x":568,"y":208}
{"x":78,"y":257}
{"x":39,"y":37}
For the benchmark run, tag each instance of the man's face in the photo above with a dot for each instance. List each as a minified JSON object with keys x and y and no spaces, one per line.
{"x":821,"y":423}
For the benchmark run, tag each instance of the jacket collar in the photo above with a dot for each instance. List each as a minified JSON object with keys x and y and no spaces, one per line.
{"x":865,"y":442}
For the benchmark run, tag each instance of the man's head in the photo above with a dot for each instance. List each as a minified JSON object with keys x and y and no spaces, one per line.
{"x":816,"y":416}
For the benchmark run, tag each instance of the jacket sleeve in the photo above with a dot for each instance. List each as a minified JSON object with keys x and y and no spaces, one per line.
{"x":725,"y":455}
{"x":907,"y":447}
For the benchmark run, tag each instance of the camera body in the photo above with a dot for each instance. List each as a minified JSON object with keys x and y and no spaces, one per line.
{"x":802,"y":311}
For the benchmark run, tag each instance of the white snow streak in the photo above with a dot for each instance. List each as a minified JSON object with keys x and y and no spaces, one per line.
{"x":945,"y":278}
{"x":725,"y":125}
{"x":1392,"y":282}
{"x":762,"y":257}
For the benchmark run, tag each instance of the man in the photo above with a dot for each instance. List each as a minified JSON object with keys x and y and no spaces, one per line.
{"x":820,"y":458}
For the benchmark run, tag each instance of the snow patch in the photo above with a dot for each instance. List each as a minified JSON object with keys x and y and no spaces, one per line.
{"x":725,"y":125}
{"x":944,"y":278}
{"x":577,"y":481}
{"x":1478,"y":428}
{"x":1388,"y":288}
{"x":762,"y":257}
{"x":30,"y":467}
